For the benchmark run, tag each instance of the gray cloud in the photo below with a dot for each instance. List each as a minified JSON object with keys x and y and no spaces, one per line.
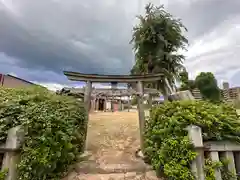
{"x":40,"y":39}
{"x":52,"y":36}
{"x":201,"y":16}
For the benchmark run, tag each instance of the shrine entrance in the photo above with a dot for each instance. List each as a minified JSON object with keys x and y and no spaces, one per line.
{"x":113,"y":92}
{"x":115,"y":128}
{"x":101,"y":104}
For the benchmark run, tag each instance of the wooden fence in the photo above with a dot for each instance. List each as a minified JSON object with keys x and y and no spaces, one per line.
{"x":10,"y":151}
{"x":216,"y":151}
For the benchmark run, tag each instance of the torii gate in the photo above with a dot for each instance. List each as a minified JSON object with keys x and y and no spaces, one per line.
{"x":114,"y":79}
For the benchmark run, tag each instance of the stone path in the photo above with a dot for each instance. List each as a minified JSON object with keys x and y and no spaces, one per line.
{"x":116,"y":176}
{"x":113,"y":139}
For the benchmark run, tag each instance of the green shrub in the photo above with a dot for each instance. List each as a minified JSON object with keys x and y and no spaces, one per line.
{"x":167,"y":146}
{"x":3,"y":174}
{"x":54,"y":129}
{"x":210,"y":167}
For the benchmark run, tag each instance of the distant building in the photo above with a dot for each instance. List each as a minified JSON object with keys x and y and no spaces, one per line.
{"x":9,"y":81}
{"x":197,"y":94}
{"x":233,"y":93}
{"x":230,"y":93}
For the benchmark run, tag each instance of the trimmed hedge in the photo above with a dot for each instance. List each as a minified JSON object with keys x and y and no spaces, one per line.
{"x":54,"y":129}
{"x":167,"y":144}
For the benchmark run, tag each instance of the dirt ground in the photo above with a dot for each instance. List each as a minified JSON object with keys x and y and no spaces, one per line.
{"x":112,"y":141}
{"x":113,"y":134}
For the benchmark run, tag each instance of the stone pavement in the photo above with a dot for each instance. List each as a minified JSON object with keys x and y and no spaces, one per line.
{"x":113,"y":139}
{"x":150,"y":175}
{"x":89,"y":169}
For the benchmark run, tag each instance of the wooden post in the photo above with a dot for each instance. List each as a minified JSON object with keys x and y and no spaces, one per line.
{"x":113,"y":87}
{"x":112,"y":104}
{"x":94,"y":104}
{"x":119,"y":104}
{"x":129,"y":103}
{"x":197,"y":166}
{"x":12,"y":156}
{"x":105,"y":104}
{"x":150,"y":100}
{"x":87,"y":97}
{"x":97,"y":104}
{"x":141,"y":114}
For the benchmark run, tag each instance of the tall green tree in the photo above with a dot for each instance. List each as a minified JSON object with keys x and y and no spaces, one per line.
{"x":157,"y":39}
{"x":186,"y":83}
{"x":207,"y":84}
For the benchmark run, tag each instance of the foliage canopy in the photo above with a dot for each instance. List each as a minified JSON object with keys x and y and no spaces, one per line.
{"x":186,"y":83}
{"x":207,"y":84}
{"x":157,"y":39}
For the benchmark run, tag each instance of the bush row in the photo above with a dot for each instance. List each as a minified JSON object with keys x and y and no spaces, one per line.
{"x":54,"y":129}
{"x":167,"y":145}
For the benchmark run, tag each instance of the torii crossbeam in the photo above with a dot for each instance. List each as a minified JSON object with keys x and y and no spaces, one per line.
{"x":113,"y":79}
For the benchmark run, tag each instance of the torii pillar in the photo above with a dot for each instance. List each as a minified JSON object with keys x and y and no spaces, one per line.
{"x":141,"y":114}
{"x":87,"y":104}
{"x":113,"y":87}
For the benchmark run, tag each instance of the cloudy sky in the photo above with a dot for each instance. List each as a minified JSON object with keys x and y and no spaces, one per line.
{"x":41,"y":38}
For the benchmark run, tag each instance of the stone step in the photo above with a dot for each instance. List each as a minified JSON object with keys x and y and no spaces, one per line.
{"x":93,"y":167}
{"x":149,"y":175}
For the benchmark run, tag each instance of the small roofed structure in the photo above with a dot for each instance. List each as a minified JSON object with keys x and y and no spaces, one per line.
{"x":114,"y":80}
{"x":109,"y":99}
